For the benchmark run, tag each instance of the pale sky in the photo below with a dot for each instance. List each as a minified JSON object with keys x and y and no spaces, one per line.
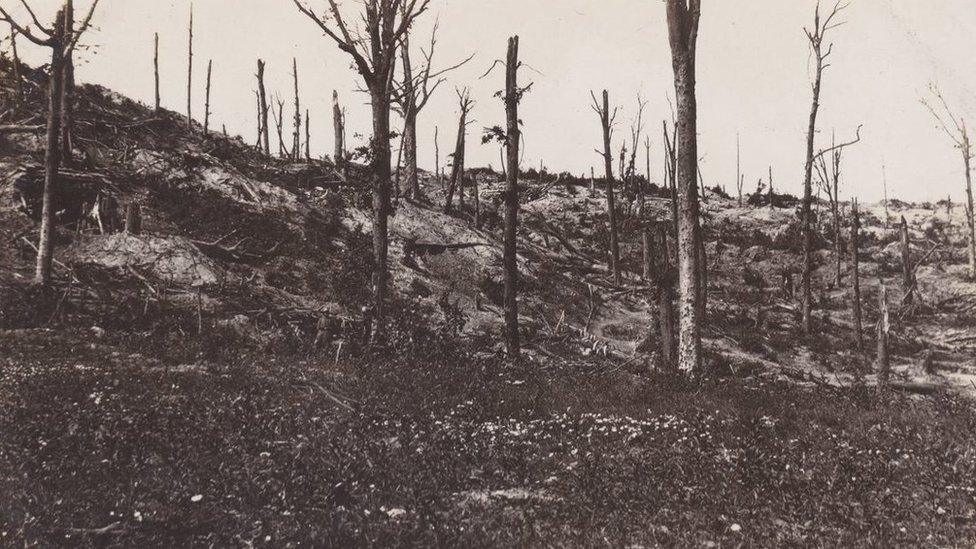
{"x":753,"y":78}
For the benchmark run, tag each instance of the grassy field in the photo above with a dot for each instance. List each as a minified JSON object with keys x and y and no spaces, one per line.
{"x":100,"y":446}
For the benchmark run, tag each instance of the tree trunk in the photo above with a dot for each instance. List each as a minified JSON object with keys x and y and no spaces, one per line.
{"x":838,"y":241}
{"x":133,"y":218}
{"x":339,"y":154}
{"x":806,"y":220}
{"x":52,"y":156}
{"x":682,"y":26}
{"x":971,"y":222}
{"x":156,"y":67}
{"x":611,"y":206}
{"x":457,"y":167}
{"x":409,"y":147}
{"x":665,"y":299}
{"x":296,"y":146}
{"x":511,"y":199}
{"x":908,"y":272}
{"x":206,"y":104}
{"x":883,"y":364}
{"x":265,"y":130}
{"x":16,"y":62}
{"x":189,"y":76}
{"x":646,"y":251}
{"x":68,"y":89}
{"x":308,"y":138}
{"x":381,"y":157}
{"x":856,"y":276}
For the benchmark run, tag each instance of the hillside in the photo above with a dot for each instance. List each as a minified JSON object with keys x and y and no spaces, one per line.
{"x":220,"y":358}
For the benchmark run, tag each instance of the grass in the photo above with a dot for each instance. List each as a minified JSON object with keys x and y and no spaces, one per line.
{"x":461,"y":450}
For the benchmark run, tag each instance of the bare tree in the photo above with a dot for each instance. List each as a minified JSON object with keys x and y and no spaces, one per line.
{"x":683,"y":17}
{"x":18,"y":79}
{"x":412,"y":95}
{"x":308,"y":138}
{"x":820,"y":52}
{"x":635,"y":131}
{"x":264,"y":140}
{"x":189,"y":75}
{"x":513,"y":96}
{"x":206,"y":104}
{"x":607,"y":120}
{"x":664,"y":283}
{"x":856,"y":275}
{"x":62,"y":44}
{"x":338,"y":124}
{"x":828,"y":177}
{"x":156,"y":67}
{"x":955,"y":127}
{"x":296,"y":145}
{"x":279,"y":120}
{"x":908,"y":271}
{"x":374,"y":52}
{"x":457,"y":170}
{"x":740,"y":180}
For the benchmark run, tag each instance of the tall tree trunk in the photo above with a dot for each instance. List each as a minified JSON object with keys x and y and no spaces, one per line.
{"x":838,"y":240}
{"x":156,"y":67}
{"x":683,"y":29}
{"x":339,"y":154}
{"x":457,"y":167}
{"x":971,"y":222}
{"x":68,"y":89}
{"x":296,"y":147}
{"x":263,"y":96}
{"x":738,"y":169}
{"x":806,"y":220}
{"x":52,"y":156}
{"x":308,"y":138}
{"x":606,"y":120}
{"x":512,"y":136}
{"x":189,"y":76}
{"x":381,"y":158}
{"x":437,"y":155}
{"x":856,"y":276}
{"x":206,"y":104}
{"x":646,"y":253}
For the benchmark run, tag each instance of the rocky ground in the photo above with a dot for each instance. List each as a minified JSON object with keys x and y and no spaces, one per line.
{"x":207,"y":382}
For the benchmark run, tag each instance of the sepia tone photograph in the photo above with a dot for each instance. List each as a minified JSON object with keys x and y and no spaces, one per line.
{"x":460,"y":273}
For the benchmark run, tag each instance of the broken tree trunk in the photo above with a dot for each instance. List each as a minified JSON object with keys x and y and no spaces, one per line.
{"x":883,"y":363}
{"x":682,"y":21}
{"x":512,"y":135}
{"x":456,"y":182}
{"x":856,"y":277}
{"x":52,"y":156}
{"x":18,"y":79}
{"x":606,"y":123}
{"x":339,"y":152}
{"x":970,"y":216}
{"x":265,"y":141}
{"x":189,"y":76}
{"x":308,"y":138}
{"x":156,"y":67}
{"x":296,"y":146}
{"x":206,"y":109}
{"x":908,"y":272}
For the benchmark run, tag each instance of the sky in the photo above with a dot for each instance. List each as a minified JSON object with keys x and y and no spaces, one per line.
{"x":754,"y":72}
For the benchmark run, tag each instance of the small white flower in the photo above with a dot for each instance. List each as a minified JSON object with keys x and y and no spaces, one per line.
{"x":735,"y":528}
{"x":196,"y":498}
